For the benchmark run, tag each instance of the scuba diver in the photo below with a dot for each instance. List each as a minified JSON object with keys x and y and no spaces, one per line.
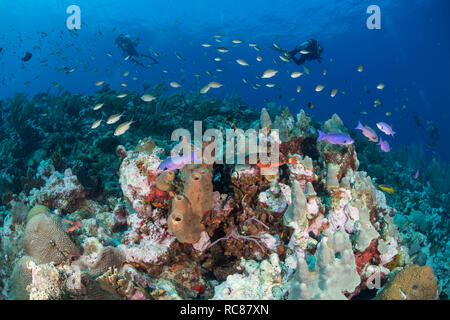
{"x":309,"y":50}
{"x":430,"y":128}
{"x":127,"y":46}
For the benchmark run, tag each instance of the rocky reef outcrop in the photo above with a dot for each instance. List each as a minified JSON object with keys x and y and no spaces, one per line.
{"x":311,"y":226}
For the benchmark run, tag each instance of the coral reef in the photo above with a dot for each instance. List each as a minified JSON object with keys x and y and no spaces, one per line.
{"x":107,"y":223}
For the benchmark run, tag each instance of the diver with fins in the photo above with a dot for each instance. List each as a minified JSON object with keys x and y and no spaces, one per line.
{"x":128,"y":48}
{"x":309,"y":50}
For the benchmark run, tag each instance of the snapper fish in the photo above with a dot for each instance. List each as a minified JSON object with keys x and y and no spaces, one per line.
{"x":123,"y":127}
{"x":333,"y":93}
{"x":385,"y":128}
{"x":377,"y":103}
{"x":335,"y":138}
{"x":178,"y":162}
{"x":368,"y":132}
{"x":277,"y":47}
{"x":205,"y":89}
{"x":215,"y":84}
{"x":319,"y":88}
{"x":26,"y":57}
{"x":242,"y":62}
{"x":269,"y":73}
{"x":96,"y":124}
{"x":384,"y":145}
{"x":147,"y":97}
{"x":98,"y":106}
{"x":222,"y":49}
{"x":307,"y":69}
{"x":175,"y":84}
{"x":114,"y":118}
{"x":284,"y":59}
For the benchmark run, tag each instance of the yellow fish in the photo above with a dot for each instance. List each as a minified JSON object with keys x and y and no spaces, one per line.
{"x":386,"y":188}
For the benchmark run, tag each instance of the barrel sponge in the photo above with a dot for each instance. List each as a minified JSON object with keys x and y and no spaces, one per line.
{"x":164,"y":180}
{"x":37,"y":209}
{"x":199,"y":191}
{"x":412,"y":283}
{"x":188,"y":208}
{"x":21,"y":278}
{"x":46,"y":240}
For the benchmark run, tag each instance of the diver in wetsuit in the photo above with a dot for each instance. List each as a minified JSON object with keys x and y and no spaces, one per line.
{"x":127,"y":46}
{"x":430,"y":128}
{"x":311,"y":51}
{"x":313,"y":48}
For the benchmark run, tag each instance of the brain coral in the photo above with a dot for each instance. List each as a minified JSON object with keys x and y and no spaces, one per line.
{"x":46,"y":240}
{"x":37,"y":209}
{"x":21,"y":278}
{"x":412,"y":283}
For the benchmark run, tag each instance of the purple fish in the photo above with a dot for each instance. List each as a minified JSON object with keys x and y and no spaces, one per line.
{"x":335,"y":138}
{"x":368,"y":132}
{"x":178,"y":162}
{"x":416,"y":175}
{"x":384,"y":145}
{"x":387,"y":129}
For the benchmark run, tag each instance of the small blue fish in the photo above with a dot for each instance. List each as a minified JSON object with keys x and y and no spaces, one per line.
{"x":178,"y":162}
{"x":335,"y":138}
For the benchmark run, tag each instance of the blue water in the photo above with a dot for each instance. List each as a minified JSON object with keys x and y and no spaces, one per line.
{"x":410,"y":53}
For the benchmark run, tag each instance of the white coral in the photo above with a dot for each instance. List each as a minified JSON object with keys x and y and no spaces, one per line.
{"x":260,"y":281}
{"x":335,"y":271}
